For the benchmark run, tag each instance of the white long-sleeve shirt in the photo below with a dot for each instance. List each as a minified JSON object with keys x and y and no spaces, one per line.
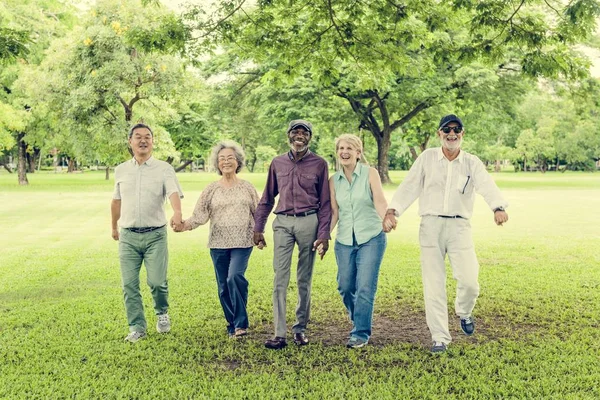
{"x":446,"y":187}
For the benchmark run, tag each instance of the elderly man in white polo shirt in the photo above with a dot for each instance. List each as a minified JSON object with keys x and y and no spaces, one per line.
{"x":141,"y":186}
{"x":445,"y":180}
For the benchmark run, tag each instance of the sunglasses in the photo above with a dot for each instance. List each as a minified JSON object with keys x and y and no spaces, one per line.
{"x":448,"y":129}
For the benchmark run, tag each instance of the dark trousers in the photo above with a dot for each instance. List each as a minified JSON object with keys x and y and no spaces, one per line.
{"x":230,"y":267}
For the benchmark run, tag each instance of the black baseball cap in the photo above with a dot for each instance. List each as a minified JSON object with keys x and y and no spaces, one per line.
{"x":449,"y":118}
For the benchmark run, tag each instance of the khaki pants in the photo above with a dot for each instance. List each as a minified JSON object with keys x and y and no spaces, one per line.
{"x":287,"y":232}
{"x":151,"y":248}
{"x":438,"y":237}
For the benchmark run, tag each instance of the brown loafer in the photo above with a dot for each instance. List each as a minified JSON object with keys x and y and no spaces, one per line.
{"x":276,"y":343}
{"x":300,"y":339}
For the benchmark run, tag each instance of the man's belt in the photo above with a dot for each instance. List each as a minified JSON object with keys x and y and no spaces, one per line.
{"x":144,"y":230}
{"x":302,"y":214}
{"x":450,"y":216}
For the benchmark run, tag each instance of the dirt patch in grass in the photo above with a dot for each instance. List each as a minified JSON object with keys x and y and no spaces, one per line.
{"x":410,"y":327}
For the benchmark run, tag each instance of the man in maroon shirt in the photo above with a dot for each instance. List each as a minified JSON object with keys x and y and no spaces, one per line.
{"x":300,"y":178}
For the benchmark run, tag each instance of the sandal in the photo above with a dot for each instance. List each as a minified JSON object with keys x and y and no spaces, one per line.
{"x":239,"y":332}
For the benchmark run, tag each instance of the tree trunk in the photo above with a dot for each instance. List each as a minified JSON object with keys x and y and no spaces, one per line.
{"x":497,"y":167}
{"x":22,"y":163}
{"x":32,"y":159}
{"x":107,"y":176}
{"x":183,"y":166}
{"x":169,"y":160}
{"x":71,"y":165}
{"x":5,"y":165}
{"x":383,"y":148}
{"x":413,"y":152}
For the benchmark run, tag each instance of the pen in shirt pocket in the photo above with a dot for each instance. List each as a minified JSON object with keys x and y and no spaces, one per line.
{"x":468,"y":179}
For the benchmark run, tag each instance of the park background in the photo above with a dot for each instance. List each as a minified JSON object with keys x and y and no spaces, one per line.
{"x":76,"y":75}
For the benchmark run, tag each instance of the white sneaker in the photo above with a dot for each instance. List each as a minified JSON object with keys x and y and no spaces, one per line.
{"x":163,"y":325}
{"x":135,"y":336}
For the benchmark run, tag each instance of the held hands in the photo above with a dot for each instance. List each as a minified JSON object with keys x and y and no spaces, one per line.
{"x":177,"y":222}
{"x":389,"y":222}
{"x":259,"y":240}
{"x":500,"y":217}
{"x":321,"y":246}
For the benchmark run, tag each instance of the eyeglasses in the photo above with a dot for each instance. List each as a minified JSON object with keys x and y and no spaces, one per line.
{"x":228,"y":159}
{"x":448,"y":129}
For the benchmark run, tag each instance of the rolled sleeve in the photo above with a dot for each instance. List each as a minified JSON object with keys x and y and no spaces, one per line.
{"x":172,"y":183}
{"x":117,"y":192}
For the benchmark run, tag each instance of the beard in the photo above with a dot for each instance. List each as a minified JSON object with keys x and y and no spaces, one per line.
{"x":294,"y":148}
{"x":451,"y":145}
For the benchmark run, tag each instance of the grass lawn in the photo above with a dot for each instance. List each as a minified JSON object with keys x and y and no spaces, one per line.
{"x":63,"y":320}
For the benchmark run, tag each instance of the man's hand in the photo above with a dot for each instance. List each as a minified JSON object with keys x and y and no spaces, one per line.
{"x":259,"y":240}
{"x":389,"y":222}
{"x":321,"y":246}
{"x":178,"y":228}
{"x":115,"y":233}
{"x":176,"y":221}
{"x":500,"y":217}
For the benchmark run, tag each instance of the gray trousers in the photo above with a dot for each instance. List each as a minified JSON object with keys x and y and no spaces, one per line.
{"x":288,"y":231}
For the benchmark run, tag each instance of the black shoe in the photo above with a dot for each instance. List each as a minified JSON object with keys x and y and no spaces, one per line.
{"x":276,"y":343}
{"x":300,"y":339}
{"x":467,"y":325}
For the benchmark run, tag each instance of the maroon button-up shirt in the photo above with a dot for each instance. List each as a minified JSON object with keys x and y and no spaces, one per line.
{"x":301,"y":185}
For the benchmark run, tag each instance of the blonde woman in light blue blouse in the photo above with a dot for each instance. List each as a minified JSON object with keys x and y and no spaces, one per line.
{"x":358,"y":208}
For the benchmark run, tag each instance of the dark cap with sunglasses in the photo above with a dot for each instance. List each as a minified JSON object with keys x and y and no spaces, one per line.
{"x":449,"y":118}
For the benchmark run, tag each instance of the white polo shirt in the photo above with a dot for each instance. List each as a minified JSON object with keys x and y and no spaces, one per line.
{"x":446,"y":187}
{"x":143,"y":190}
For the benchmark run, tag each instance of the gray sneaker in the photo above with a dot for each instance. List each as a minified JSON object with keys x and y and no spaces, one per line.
{"x":135,"y":336}
{"x":438,"y":347}
{"x":356,"y":342}
{"x":163,"y":325}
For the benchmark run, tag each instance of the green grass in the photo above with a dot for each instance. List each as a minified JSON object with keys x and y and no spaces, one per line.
{"x":63,"y":320}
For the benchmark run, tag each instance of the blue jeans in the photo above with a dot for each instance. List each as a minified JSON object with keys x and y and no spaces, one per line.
{"x":230,"y":266}
{"x":358,"y":271}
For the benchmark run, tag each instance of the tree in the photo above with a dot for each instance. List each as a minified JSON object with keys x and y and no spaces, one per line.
{"x":392,"y":61}
{"x":122,"y":66}
{"x":30,"y":26}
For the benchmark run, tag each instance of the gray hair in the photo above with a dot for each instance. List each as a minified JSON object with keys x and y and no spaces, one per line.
{"x":227,"y":144}
{"x":137,"y":126}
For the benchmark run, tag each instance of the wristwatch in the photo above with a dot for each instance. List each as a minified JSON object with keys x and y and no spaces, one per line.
{"x":499,"y":209}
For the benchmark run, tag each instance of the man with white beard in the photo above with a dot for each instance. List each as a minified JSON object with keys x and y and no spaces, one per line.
{"x":445,"y":179}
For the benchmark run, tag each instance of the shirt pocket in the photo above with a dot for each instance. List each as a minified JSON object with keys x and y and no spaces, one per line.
{"x":308,"y":182}
{"x":154,"y":187}
{"x":127,"y":186}
{"x":465,"y":184}
{"x":283,"y":180}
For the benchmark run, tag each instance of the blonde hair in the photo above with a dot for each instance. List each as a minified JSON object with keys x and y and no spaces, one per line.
{"x":353,"y":141}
